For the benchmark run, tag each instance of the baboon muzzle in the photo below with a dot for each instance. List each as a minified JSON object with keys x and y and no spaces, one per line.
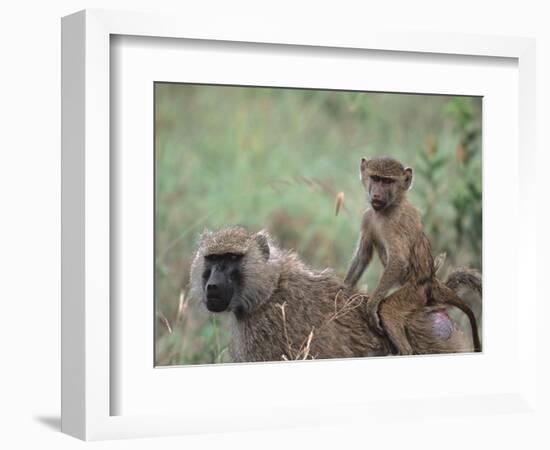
{"x":218,"y":291}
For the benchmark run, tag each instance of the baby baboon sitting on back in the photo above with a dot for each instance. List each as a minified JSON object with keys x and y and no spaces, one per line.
{"x":281,"y":309}
{"x":394,"y":228}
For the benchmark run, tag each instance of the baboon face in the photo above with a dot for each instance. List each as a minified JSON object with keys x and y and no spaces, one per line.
{"x":221,"y":280}
{"x":233,"y":270}
{"x":381,"y":191}
{"x":385,"y":181}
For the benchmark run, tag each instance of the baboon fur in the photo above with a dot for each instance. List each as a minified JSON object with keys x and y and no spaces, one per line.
{"x":308,"y":298}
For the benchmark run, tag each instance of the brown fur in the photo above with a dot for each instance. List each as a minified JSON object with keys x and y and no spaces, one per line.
{"x":295,"y":312}
{"x":393,"y":228}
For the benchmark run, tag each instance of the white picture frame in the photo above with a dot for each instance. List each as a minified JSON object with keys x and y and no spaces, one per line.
{"x":88,"y":328}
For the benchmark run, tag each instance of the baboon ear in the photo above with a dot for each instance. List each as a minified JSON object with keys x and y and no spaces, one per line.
{"x":407,"y":178}
{"x":263,"y":243}
{"x":363,"y":167}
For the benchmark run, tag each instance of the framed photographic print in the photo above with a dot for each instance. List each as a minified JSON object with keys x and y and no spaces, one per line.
{"x":235,"y":202}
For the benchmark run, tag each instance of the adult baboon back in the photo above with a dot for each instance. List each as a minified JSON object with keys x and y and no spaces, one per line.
{"x":281,"y":309}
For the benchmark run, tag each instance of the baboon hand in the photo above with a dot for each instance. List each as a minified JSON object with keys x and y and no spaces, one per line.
{"x":374,"y":318}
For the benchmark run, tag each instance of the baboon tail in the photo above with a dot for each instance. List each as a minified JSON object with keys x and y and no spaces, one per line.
{"x":463,"y":277}
{"x":446,"y":295}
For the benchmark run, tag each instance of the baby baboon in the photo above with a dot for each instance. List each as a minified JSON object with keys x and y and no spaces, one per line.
{"x":281,"y":309}
{"x":394,"y":228}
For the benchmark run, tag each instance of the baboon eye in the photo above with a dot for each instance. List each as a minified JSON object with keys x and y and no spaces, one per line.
{"x":234,"y":256}
{"x":206,"y":274}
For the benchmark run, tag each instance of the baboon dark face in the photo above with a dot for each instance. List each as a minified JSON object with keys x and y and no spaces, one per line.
{"x":222,"y":280}
{"x":233,"y":270}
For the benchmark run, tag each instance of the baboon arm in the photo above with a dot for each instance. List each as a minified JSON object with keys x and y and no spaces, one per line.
{"x":360,"y":261}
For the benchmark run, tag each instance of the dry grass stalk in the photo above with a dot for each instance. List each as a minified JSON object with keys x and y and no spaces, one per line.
{"x":165,"y":321}
{"x":339,"y":201}
{"x":285,"y":330}
{"x":349,"y":304}
{"x":303,"y":352}
{"x":439,"y":261}
{"x":305,"y":348}
{"x":182,"y":307}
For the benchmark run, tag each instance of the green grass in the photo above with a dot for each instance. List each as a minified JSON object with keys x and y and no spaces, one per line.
{"x":275,"y":159}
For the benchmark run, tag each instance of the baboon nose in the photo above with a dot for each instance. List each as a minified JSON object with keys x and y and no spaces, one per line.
{"x":211,"y":287}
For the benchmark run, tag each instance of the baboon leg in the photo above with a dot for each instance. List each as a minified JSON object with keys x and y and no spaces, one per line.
{"x":394,"y":312}
{"x":397,"y":335}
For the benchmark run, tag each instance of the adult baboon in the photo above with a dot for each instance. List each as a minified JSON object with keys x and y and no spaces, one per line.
{"x":281,"y":309}
{"x":393,"y":227}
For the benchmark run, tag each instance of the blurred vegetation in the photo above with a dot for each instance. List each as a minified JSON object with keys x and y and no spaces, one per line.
{"x":275,"y":159}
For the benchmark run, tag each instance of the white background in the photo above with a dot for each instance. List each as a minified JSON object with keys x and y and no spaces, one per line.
{"x":29,"y":234}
